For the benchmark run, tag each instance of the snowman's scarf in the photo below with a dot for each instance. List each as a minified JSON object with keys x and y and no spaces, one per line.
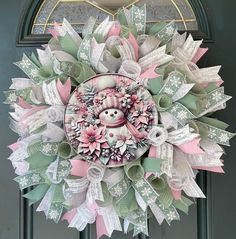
{"x":120,"y":122}
{"x":117,"y":123}
{"x":138,"y":135}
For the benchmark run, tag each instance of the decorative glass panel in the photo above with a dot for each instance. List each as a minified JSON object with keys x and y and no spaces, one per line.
{"x":78,"y":11}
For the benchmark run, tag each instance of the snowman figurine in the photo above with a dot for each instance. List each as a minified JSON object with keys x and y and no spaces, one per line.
{"x":108,"y":108}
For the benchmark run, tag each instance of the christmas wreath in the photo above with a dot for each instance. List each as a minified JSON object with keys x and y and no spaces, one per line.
{"x":114,"y":125}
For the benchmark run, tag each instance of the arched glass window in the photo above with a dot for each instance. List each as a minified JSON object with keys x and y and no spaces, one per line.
{"x":77,"y":11}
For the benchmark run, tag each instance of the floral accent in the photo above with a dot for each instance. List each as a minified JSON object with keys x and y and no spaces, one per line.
{"x":124,"y":140}
{"x":92,"y":140}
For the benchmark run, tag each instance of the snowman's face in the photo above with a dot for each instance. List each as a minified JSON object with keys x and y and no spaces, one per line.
{"x":111,"y":116}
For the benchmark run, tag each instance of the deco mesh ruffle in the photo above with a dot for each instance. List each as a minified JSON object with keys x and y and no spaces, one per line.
{"x":114,"y":126}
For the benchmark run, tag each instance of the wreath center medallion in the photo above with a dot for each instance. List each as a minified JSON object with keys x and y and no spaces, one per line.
{"x":107,"y":119}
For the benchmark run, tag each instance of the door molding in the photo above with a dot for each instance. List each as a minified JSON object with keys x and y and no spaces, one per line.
{"x":26,"y":38}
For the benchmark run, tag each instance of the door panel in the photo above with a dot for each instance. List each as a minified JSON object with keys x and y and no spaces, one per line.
{"x":211,"y":218}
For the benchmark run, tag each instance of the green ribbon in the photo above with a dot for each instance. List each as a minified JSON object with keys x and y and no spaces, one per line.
{"x":138,"y":15}
{"x":127,"y":204}
{"x":68,"y":45}
{"x":141,"y":225}
{"x":163,"y":102}
{"x":56,"y":206}
{"x":217,"y":135}
{"x":210,"y":100}
{"x":170,"y":212}
{"x":152,"y":165}
{"x":11,"y":96}
{"x":164,"y":193}
{"x":164,"y":31}
{"x":46,"y":72}
{"x":181,"y":113}
{"x":126,"y":30}
{"x":29,"y":179}
{"x":47,"y":148}
{"x":35,"y":60}
{"x":190,"y":101}
{"x":183,"y":204}
{"x":78,"y":71}
{"x":37,"y":193}
{"x":84,"y":49}
{"x":134,"y":170}
{"x":39,"y":161}
{"x":119,"y":190}
{"x":173,"y":83}
{"x":29,"y":68}
{"x":65,"y":150}
{"x":214,"y":122}
{"x":155,"y":85}
{"x":122,"y":17}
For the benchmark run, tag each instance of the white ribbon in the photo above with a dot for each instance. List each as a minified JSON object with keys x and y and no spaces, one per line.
{"x":157,"y":56}
{"x":157,"y":135}
{"x":110,"y":218}
{"x":130,"y":69}
{"x":46,"y":202}
{"x":51,"y":94}
{"x":182,"y":135}
{"x":55,"y":113}
{"x":95,"y":175}
{"x":83,"y":217}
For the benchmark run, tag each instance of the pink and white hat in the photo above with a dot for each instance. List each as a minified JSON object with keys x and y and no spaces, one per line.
{"x":108,"y":102}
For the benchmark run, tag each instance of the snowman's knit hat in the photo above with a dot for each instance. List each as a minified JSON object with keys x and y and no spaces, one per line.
{"x":108,"y":102}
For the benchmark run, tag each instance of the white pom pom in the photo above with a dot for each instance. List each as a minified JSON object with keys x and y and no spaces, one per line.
{"x":105,"y":82}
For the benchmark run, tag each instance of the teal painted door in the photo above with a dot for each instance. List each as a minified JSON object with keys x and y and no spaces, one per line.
{"x":213,"y":218}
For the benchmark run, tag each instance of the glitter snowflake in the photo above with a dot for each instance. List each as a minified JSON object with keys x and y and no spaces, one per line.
{"x":53,"y":214}
{"x":64,"y":163}
{"x":182,"y":115}
{"x":24,"y":182}
{"x":34,"y":73}
{"x":223,"y":137}
{"x":169,"y":30}
{"x":12,"y":97}
{"x":25,"y":63}
{"x":139,"y":14}
{"x":146,"y":192}
{"x":216,"y":96}
{"x":171,"y":215}
{"x":168,"y":91}
{"x":47,"y":148}
{"x":175,"y":82}
{"x":118,"y":190}
{"x":35,"y":178}
{"x":139,"y":26}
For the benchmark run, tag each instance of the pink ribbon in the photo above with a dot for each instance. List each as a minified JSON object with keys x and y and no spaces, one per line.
{"x":199,"y":54}
{"x":134,"y":44}
{"x":176,"y":194}
{"x":153,"y":152}
{"x":191,"y":147}
{"x":150,"y":73}
{"x":64,"y":90}
{"x":115,"y":30}
{"x":100,"y":227}
{"x":32,"y":111}
{"x":14,"y":146}
{"x":79,"y":167}
{"x":54,"y":32}
{"x":211,"y":169}
{"x":68,"y":216}
{"x":23,"y":104}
